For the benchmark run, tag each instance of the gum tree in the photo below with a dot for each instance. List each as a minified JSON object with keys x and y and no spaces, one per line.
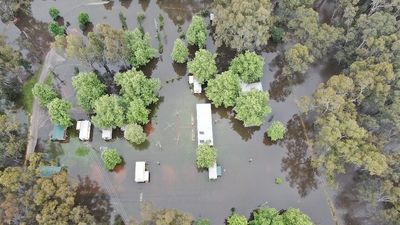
{"x":224,"y":89}
{"x":252,"y":107}
{"x":297,"y":59}
{"x":248,"y":66}
{"x":203,"y":66}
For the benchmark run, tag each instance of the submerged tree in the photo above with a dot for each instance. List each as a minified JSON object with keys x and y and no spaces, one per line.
{"x":12,"y":141}
{"x":248,"y":66}
{"x":54,"y":13}
{"x":252,"y":107}
{"x":56,"y":29}
{"x":297,"y":59}
{"x":111,"y":158}
{"x":59,"y":111}
{"x":180,"y":52}
{"x":88,"y":89}
{"x":134,"y":133}
{"x":83,"y":19}
{"x":164,"y":216}
{"x":276,"y":131}
{"x":197,"y":32}
{"x":43,"y":93}
{"x":290,"y":216}
{"x":137,"y":112}
{"x":236,"y":219}
{"x":224,"y":89}
{"x":206,"y":156}
{"x":139,"y":46}
{"x":109,"y":112}
{"x":135,"y":85}
{"x":243,"y":24}
{"x":203,"y":66}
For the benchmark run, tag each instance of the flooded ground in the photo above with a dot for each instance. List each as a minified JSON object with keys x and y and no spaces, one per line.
{"x":175,"y":182}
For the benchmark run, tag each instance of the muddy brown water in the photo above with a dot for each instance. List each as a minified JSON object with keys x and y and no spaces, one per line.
{"x":175,"y":181}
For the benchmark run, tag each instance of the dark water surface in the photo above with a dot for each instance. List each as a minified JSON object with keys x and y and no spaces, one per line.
{"x":176,"y":183}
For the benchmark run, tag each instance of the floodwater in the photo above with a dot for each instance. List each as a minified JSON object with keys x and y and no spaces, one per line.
{"x":170,"y":149}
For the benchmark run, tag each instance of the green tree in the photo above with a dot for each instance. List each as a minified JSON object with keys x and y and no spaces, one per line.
{"x":83,"y":19}
{"x":109,"y":112}
{"x":197,"y":32}
{"x":243,"y":24}
{"x":276,"y":131}
{"x":12,"y":141}
{"x":59,"y":111}
{"x":203,"y":66}
{"x":202,"y":221}
{"x":135,"y":85}
{"x":164,"y":216}
{"x":111,"y":158}
{"x":291,"y":216}
{"x":236,"y":219}
{"x":295,"y":217}
{"x":297,"y":59}
{"x":134,"y":133}
{"x":252,"y":107}
{"x":54,"y":13}
{"x":180,"y":52}
{"x":224,"y":89}
{"x":44,"y":93}
{"x":206,"y":156}
{"x":56,"y":29}
{"x":139,"y":47}
{"x":277,"y":34}
{"x":137,"y":112}
{"x":88,"y":89}
{"x":248,"y":66}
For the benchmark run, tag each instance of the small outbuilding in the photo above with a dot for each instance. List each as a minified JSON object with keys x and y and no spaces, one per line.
{"x":141,"y":175}
{"x":48,"y":171}
{"x":58,"y":133}
{"x":84,"y":127}
{"x":106,"y":134}
{"x":196,"y":85}
{"x":248,"y":87}
{"x":213,"y":172}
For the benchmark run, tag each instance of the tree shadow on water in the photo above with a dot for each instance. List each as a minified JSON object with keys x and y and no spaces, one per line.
{"x":91,"y":195}
{"x":297,"y":161}
{"x":281,"y":87}
{"x":245,"y":132}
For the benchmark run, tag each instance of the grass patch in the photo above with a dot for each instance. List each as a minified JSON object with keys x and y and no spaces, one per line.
{"x":27,"y":96}
{"x":82,"y":151}
{"x":49,"y":79}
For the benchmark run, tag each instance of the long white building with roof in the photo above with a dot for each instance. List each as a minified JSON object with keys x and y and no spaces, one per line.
{"x":204,"y":124}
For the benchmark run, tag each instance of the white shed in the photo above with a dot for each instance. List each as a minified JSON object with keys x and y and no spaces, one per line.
{"x":141,"y":175}
{"x":248,"y":87}
{"x":212,"y":172}
{"x":84,"y":128}
{"x":204,"y":124}
{"x":196,"y":85}
{"x":106,"y":134}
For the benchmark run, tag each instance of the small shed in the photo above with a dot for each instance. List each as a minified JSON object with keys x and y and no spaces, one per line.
{"x":141,"y":175}
{"x":196,"y":85}
{"x":48,"y":171}
{"x":58,"y":133}
{"x":212,"y":172}
{"x":106,"y":134}
{"x":204,"y":124}
{"x":248,"y":87}
{"x":84,"y":127}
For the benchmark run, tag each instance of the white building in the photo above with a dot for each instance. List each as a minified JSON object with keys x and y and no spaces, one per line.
{"x":212,"y":172}
{"x":141,"y":175}
{"x":106,"y":134}
{"x":204,"y":124}
{"x":196,"y":85}
{"x":248,"y":87}
{"x":84,"y":128}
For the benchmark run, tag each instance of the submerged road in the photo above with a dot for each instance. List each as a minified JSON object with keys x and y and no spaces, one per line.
{"x":38,"y":113}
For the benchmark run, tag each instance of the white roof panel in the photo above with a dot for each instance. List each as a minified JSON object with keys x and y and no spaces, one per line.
{"x":204,"y":124}
{"x":248,"y":87}
{"x":212,"y":172}
{"x":141,"y":175}
{"x":106,"y":134}
{"x":84,"y":130}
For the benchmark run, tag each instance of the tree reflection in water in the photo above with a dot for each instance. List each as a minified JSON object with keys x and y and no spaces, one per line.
{"x":297,"y":161}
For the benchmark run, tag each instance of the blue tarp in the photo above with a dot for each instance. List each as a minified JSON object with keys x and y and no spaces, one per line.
{"x":48,"y":171}
{"x":58,"y":133}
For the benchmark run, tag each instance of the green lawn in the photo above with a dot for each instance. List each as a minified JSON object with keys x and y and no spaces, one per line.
{"x":27,"y":96}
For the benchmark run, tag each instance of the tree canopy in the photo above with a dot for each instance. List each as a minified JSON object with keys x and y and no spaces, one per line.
{"x":236,"y":219}
{"x":297,"y":60}
{"x":111,"y":158}
{"x":137,"y":112}
{"x":203,"y":66}
{"x":276,"y":131}
{"x":248,"y":66}
{"x":180,"y":52}
{"x":139,"y":46}
{"x":252,"y":107}
{"x":206,"y":156}
{"x":88,"y":89}
{"x":197,"y":32}
{"x":56,"y":29}
{"x":83,"y":19}
{"x":241,"y":24}
{"x":290,"y":216}
{"x":12,"y":141}
{"x":59,"y":111}
{"x":134,"y":133}
{"x":54,"y":13}
{"x":224,"y":89}
{"x":109,"y":112}
{"x":44,"y":93}
{"x":135,"y":85}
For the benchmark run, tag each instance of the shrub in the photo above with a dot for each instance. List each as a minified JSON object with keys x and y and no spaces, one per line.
{"x":180,"y":52}
{"x":202,"y":222}
{"x":56,"y":29}
{"x":54,"y":13}
{"x":111,"y":158}
{"x":83,"y":20}
{"x":206,"y":156}
{"x":277,"y":34}
{"x":276,"y":131}
{"x":236,"y":219}
{"x":59,"y":111}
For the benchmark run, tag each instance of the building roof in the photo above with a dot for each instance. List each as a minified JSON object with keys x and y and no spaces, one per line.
{"x":58,"y":133}
{"x":84,"y":127}
{"x":212,"y":172}
{"x":141,"y":175}
{"x":48,"y":171}
{"x":106,"y":134}
{"x":204,"y":124}
{"x":248,"y":87}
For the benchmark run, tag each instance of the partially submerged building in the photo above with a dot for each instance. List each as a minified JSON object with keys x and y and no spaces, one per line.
{"x":248,"y":87}
{"x":215,"y":171}
{"x":48,"y":171}
{"x":141,"y":175}
{"x":59,"y":133}
{"x":204,"y":124}
{"x":195,"y":84}
{"x":106,"y":134}
{"x":84,"y":127}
